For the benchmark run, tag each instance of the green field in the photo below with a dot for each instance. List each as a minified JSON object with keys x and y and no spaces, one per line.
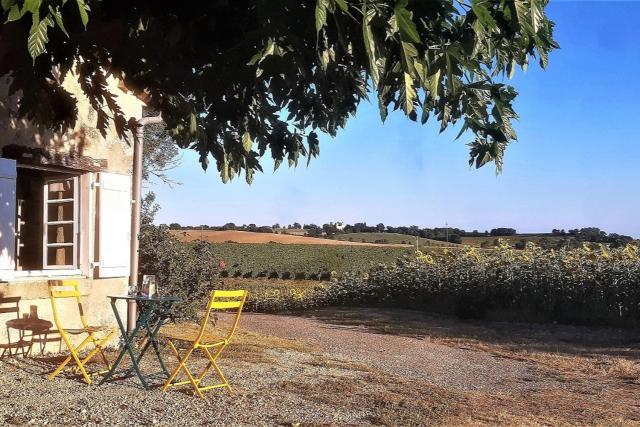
{"x":391,"y":238}
{"x":301,"y":261}
{"x":490,"y":240}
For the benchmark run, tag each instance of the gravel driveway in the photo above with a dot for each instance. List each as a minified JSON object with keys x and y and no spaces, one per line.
{"x":416,"y":357}
{"x":322,"y":370}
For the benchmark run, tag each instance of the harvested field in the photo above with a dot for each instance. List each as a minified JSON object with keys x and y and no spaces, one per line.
{"x":250,"y":237}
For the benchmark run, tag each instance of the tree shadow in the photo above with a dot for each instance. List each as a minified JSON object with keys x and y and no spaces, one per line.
{"x":552,"y":338}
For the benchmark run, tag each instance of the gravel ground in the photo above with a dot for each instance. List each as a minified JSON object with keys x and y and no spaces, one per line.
{"x":291,"y":370}
{"x":413,"y":357}
{"x":28,"y":398}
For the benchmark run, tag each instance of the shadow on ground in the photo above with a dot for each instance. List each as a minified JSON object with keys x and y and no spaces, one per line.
{"x":552,"y":338}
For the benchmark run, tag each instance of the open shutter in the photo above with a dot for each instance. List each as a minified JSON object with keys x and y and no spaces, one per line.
{"x":7,"y":217}
{"x":114,"y":225}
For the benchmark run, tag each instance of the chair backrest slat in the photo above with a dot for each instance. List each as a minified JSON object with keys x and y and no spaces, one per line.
{"x":14,"y":308}
{"x":231,"y":301}
{"x":230,"y":294}
{"x":221,"y":305}
{"x":65,"y":294}
{"x":68,"y":288}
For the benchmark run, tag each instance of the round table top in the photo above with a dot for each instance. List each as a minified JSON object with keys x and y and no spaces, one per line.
{"x":33,"y":325}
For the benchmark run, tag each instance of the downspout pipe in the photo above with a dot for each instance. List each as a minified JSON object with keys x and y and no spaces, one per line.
{"x":136,"y":198}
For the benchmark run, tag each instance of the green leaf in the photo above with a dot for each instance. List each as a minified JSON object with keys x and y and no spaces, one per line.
{"x":370,"y":44}
{"x":32,"y":6}
{"x":14,"y":13}
{"x":7,"y":4}
{"x":38,"y":38}
{"x":58,"y":17}
{"x":224,"y":170}
{"x":522,"y":12}
{"x":342,"y":4}
{"x":314,"y":146}
{"x":482,"y":13}
{"x":246,"y":142}
{"x":249,"y":175}
{"x":434,"y":84}
{"x":83,"y":8}
{"x":409,"y":54}
{"x":537,"y":15}
{"x":405,"y":22}
{"x":321,"y":14}
{"x":193,"y":124}
{"x":425,"y":114}
{"x":408,"y":95}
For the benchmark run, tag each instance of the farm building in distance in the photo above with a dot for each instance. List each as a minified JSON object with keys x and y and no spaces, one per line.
{"x":65,"y":209}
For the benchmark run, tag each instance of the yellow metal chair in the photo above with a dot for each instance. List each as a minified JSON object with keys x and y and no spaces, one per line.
{"x":209,"y":344}
{"x":68,"y":289}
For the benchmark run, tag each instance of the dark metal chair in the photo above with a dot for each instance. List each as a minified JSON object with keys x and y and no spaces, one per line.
{"x":12,"y":305}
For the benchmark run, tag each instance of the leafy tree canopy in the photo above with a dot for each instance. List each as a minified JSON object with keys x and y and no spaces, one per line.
{"x":234,"y":80}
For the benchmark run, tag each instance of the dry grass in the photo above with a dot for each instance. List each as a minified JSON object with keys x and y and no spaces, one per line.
{"x":390,"y":400}
{"x":348,"y":365}
{"x":251,"y":237}
{"x":624,"y":369}
{"x":249,"y":346}
{"x":395,"y":401}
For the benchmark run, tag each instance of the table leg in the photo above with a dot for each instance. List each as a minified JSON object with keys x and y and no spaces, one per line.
{"x":154,"y":342}
{"x":128,"y":339}
{"x":152,"y":338}
{"x":142,"y":309}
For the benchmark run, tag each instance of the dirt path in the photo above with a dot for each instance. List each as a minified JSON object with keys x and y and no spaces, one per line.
{"x":418,"y":357}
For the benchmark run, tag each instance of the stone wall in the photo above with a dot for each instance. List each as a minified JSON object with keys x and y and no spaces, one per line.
{"x":35,"y":302}
{"x":82,"y":141}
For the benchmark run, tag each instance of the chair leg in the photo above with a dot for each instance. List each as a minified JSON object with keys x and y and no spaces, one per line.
{"x":182,"y":364}
{"x":73,"y":356}
{"x":98,"y":349}
{"x":213,"y":362}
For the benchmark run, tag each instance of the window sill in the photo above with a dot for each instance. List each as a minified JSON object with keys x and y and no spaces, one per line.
{"x":39,"y":274}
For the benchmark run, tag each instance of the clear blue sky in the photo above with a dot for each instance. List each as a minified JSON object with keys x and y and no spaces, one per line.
{"x":577,"y":162}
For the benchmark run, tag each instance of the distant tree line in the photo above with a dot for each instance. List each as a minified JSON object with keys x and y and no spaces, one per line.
{"x":573,"y":237}
{"x":593,"y":235}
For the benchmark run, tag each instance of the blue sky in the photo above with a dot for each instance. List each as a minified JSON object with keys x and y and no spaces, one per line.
{"x":576,"y":164}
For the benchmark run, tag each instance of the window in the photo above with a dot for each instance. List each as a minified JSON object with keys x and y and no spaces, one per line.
{"x":60,"y":242}
{"x":62,"y":222}
{"x":47,"y":216}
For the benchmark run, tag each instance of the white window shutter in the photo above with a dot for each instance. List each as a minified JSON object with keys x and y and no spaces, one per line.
{"x":7,"y":217}
{"x":114,"y":229}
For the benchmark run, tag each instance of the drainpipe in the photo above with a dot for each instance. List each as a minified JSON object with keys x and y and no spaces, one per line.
{"x":136,"y":196}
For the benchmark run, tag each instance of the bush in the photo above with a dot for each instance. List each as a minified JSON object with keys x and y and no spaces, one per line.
{"x":186,"y":271}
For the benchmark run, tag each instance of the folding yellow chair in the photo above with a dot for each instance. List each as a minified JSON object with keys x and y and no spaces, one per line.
{"x":204,"y":341}
{"x":68,"y":289}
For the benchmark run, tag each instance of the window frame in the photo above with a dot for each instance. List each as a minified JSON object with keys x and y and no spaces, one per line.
{"x":75,"y":202}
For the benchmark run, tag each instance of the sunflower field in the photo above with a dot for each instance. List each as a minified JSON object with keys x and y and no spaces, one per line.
{"x":596,"y":286}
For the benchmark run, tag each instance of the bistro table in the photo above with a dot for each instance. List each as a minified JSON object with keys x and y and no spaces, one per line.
{"x":152,"y":313}
{"x":36,"y":326}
